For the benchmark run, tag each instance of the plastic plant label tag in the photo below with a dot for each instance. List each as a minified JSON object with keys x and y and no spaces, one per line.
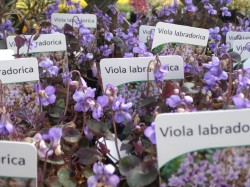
{"x":19,"y":70}
{"x":44,"y":43}
{"x":60,"y":19}
{"x":243,"y":48}
{"x":18,"y":164}
{"x":6,"y":54}
{"x":169,"y":33}
{"x":118,"y":71}
{"x":212,"y":138}
{"x":144,"y":32}
{"x":232,"y":36}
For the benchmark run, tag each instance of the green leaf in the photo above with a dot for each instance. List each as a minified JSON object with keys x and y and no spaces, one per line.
{"x":142,"y":176}
{"x":127,"y":130}
{"x":88,"y":156}
{"x":146,"y":102}
{"x":54,"y":182}
{"x":71,"y":135}
{"x":56,"y":161}
{"x":58,"y":108}
{"x":236,"y":58}
{"x":99,"y":128}
{"x":127,"y":164}
{"x":64,"y":177}
{"x":88,"y":173}
{"x":158,"y":49}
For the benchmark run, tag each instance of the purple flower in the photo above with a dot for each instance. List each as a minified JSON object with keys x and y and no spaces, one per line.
{"x":243,"y":81}
{"x":66,"y":77}
{"x":128,"y":55}
{"x":121,"y":110}
{"x":104,"y":175}
{"x":42,"y":148}
{"x":106,"y":51}
{"x":247,"y":183}
{"x":225,"y":12}
{"x":48,"y":65}
{"x":52,"y":9}
{"x":112,"y":8}
{"x":53,"y":137}
{"x":150,"y":133}
{"x":213,"y":34}
{"x":103,"y":100}
{"x":175,"y":100}
{"x":247,"y":47}
{"x":224,"y":29}
{"x":88,"y":134}
{"x":225,"y":1}
{"x":160,"y":73}
{"x":233,"y":175}
{"x":83,"y":30}
{"x":215,"y":69}
{"x":214,"y":170}
{"x":241,"y":162}
{"x":6,"y":127}
{"x":240,"y":101}
{"x":175,"y":181}
{"x":141,"y":49}
{"x":200,"y":178}
{"x":7,"y":27}
{"x":121,"y":17}
{"x":45,"y":96}
{"x":86,"y":35}
{"x":210,"y":9}
{"x":111,"y":91}
{"x":108,"y":36}
{"x":190,"y":7}
{"x":97,"y":111}
{"x":167,"y":11}
{"x":84,"y":99}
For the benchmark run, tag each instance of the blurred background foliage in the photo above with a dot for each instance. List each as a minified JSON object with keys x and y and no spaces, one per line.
{"x":28,"y":12}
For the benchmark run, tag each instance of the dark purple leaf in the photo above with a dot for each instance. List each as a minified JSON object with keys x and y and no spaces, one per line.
{"x":20,"y":41}
{"x":88,"y":156}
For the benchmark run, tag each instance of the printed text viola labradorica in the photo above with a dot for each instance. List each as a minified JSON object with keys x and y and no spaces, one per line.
{"x":135,"y":69}
{"x":181,"y":34}
{"x":201,"y":130}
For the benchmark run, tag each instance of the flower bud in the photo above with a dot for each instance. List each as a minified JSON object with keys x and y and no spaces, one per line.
{"x":58,"y":150}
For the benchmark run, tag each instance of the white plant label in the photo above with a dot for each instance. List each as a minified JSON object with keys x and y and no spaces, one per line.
{"x":19,"y":70}
{"x":60,"y":19}
{"x":18,"y":160}
{"x":240,"y":47}
{"x":44,"y":43}
{"x":144,"y":32}
{"x":6,"y":54}
{"x":169,"y":33}
{"x":118,"y":71}
{"x":232,"y":36}
{"x":181,"y":133}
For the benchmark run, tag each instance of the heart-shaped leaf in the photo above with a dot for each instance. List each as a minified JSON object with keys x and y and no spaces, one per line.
{"x":88,"y":156}
{"x":20,"y":41}
{"x":71,"y":135}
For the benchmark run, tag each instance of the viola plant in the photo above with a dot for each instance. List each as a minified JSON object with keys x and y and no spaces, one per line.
{"x":71,"y":118}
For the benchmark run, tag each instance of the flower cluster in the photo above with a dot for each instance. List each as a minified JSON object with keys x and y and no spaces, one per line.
{"x":54,"y":138}
{"x":221,"y":171}
{"x":73,"y":119}
{"x":104,"y":175}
